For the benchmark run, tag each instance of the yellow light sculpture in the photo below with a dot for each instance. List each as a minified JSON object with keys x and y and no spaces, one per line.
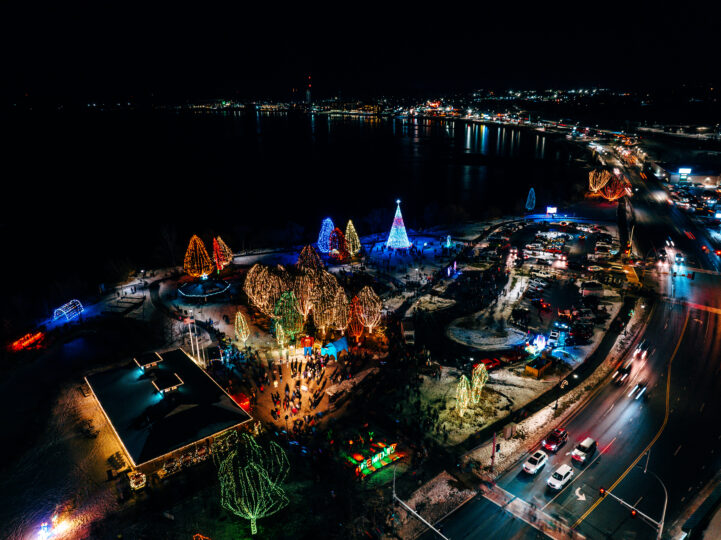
{"x":352,"y":241}
{"x":197,"y":263}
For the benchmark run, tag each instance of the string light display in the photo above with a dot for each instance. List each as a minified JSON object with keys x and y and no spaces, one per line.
{"x":337,"y":244}
{"x":355,"y":319}
{"x":463,"y":395}
{"x":597,"y":179}
{"x":340,"y":310}
{"x":197,"y":263}
{"x":242,"y":330}
{"x":398,"y":239}
{"x":252,"y":488}
{"x":531,"y":200}
{"x":303,"y":290}
{"x":280,"y":336}
{"x":324,"y":237}
{"x":616,"y":188}
{"x":370,"y":307}
{"x":222,"y":254}
{"x":68,"y":311}
{"x":287,"y":315}
{"x":264,"y":286}
{"x":479,"y":378}
{"x":352,"y":241}
{"x":309,"y":260}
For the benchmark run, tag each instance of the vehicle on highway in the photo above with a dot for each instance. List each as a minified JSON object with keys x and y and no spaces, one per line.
{"x":585,"y":449}
{"x":642,"y":350}
{"x":679,"y":258}
{"x":560,"y":477}
{"x":555,"y":440}
{"x":622,"y":373}
{"x":638,"y":390}
{"x":594,"y":268}
{"x":536,"y":462}
{"x":541,"y":303}
{"x":669,"y":242}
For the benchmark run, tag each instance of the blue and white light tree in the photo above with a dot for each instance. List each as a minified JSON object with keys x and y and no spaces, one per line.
{"x":324,"y":237}
{"x":531,"y":200}
{"x":398,"y":239}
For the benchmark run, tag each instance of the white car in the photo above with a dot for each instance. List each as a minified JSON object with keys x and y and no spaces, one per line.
{"x":536,"y":462}
{"x":560,"y":477}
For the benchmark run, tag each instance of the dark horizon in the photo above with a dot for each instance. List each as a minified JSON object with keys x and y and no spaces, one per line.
{"x":91,"y":52}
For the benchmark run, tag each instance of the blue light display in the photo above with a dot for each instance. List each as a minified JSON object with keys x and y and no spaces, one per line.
{"x":324,"y":237}
{"x":69,"y":310}
{"x":398,"y":239}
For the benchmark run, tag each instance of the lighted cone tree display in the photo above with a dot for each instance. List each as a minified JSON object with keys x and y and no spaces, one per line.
{"x":531,"y":200}
{"x":398,"y":238}
{"x":242,"y":330}
{"x":222,"y":254}
{"x":597,"y":179}
{"x":616,"y":188}
{"x":287,"y":315}
{"x":355,"y":320}
{"x":197,"y":263}
{"x":370,"y":307}
{"x":324,"y":236}
{"x":251,"y":482}
{"x":352,"y":241}
{"x":309,"y":260}
{"x":479,"y":378}
{"x":337,"y":245}
{"x":463,"y":395}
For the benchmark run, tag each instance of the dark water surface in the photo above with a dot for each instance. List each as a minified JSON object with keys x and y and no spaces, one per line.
{"x":97,"y":192}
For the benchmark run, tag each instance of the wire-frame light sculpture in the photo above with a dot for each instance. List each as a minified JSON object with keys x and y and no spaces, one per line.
{"x":463,"y":395}
{"x":479,"y":377}
{"x":531,"y":200}
{"x":341,"y":310}
{"x":222,"y":254}
{"x":288,"y":316}
{"x":197,"y":263}
{"x":371,"y":307}
{"x":616,"y":189}
{"x":242,"y":330}
{"x":398,"y":238}
{"x":597,"y":179}
{"x":68,"y":311}
{"x":309,"y":260}
{"x":303,"y":284}
{"x":352,"y":241}
{"x":264,"y":286}
{"x":280,"y":336}
{"x":324,"y":236}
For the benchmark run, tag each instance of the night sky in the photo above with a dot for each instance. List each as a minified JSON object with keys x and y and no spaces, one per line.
{"x":98,"y":50}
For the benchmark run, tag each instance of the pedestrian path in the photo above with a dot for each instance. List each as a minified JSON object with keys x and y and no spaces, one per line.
{"x":527,"y":512}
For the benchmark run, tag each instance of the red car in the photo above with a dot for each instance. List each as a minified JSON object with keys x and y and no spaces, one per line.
{"x":555,"y":440}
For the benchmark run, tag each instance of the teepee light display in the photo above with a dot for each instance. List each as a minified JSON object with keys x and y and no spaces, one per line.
{"x":352,"y":241}
{"x":398,"y":239}
{"x":324,"y":237}
{"x":197,"y":263}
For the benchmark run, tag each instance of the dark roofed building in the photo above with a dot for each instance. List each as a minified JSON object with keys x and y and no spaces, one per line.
{"x":159,"y":407}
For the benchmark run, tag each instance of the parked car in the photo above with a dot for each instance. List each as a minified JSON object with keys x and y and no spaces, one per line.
{"x":536,"y":462}
{"x":560,"y":477}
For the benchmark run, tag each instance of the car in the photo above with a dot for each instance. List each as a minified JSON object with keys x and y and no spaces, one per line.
{"x":584,"y":451}
{"x":594,"y":268}
{"x":679,"y":258}
{"x":622,"y":373}
{"x":490,"y":363}
{"x":555,"y":440}
{"x":638,"y":390}
{"x":642,"y":350}
{"x":541,"y":303}
{"x":536,"y":462}
{"x":560,"y":477}
{"x":704,"y":248}
{"x":669,"y":242}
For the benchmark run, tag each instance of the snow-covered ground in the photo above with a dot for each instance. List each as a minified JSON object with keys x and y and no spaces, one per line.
{"x":432,"y":501}
{"x":429,"y":302}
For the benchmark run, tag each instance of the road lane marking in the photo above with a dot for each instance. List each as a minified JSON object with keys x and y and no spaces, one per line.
{"x":579,"y":474}
{"x":638,"y":501}
{"x":677,"y":451}
{"x":663,"y":426}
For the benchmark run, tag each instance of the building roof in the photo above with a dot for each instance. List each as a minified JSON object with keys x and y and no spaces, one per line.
{"x":151,"y":424}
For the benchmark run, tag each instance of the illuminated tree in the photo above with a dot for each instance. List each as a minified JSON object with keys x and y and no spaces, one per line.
{"x":478,"y":381}
{"x":309,"y":260}
{"x":222,"y":254}
{"x":531,"y":200}
{"x":287,"y":314}
{"x":463,"y":395}
{"x":616,"y":188}
{"x":264,"y":286}
{"x":251,"y":482}
{"x":303,"y":289}
{"x":325,"y":286}
{"x":242,"y":331}
{"x":324,"y":237}
{"x":197,"y":263}
{"x":337,"y":244}
{"x":352,"y":241}
{"x":597,"y":179}
{"x":370,"y":307}
{"x":280,"y":336}
{"x":398,"y":238}
{"x":355,"y":319}
{"x":341,"y":310}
